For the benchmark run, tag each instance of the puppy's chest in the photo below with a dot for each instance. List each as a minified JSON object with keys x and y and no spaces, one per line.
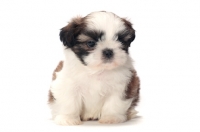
{"x":93,"y":91}
{"x":95,"y":86}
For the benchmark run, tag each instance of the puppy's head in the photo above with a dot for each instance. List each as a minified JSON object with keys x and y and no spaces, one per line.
{"x":100,"y":40}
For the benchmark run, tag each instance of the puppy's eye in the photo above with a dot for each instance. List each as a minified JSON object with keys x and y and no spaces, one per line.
{"x":91,"y":43}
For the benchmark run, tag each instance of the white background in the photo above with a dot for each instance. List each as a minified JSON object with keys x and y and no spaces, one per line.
{"x":166,"y":53}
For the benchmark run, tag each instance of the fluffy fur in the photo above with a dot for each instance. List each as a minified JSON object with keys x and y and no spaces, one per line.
{"x":96,"y":80}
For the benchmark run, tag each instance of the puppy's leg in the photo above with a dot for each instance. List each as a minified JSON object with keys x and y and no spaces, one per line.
{"x":115,"y":110}
{"x":67,"y":105}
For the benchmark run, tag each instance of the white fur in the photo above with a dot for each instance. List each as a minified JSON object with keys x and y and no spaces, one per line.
{"x":105,"y":22}
{"x":96,"y":90}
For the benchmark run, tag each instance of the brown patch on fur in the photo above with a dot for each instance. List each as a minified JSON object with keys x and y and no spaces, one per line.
{"x":133,"y":86}
{"x":83,"y":38}
{"x":69,"y":33}
{"x":133,"y":90}
{"x":128,"y":25}
{"x":58,"y":68}
{"x":51,"y":97}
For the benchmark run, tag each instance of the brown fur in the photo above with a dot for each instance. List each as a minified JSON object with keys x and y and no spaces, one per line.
{"x":128,"y":25}
{"x":133,"y":86}
{"x":58,"y":68}
{"x":69,"y":33}
{"x":51,"y":97}
{"x":133,"y":90}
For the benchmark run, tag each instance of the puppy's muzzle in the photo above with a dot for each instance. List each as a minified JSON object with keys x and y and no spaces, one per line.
{"x":108,"y":54}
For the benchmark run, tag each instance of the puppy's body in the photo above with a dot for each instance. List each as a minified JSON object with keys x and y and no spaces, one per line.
{"x":96,"y":80}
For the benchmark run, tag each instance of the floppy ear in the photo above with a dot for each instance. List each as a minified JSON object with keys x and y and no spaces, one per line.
{"x":130,"y":29}
{"x":69,"y":33}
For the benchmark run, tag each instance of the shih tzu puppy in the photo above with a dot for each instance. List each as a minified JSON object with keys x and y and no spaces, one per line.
{"x":96,"y":80}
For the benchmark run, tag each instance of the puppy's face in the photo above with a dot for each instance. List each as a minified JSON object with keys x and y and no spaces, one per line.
{"x":100,"y":40}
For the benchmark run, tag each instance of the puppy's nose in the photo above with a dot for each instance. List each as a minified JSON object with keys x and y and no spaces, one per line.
{"x":108,"y":53}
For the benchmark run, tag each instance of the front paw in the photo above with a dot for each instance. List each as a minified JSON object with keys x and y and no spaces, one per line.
{"x":66,"y":120}
{"x":113,"y":119}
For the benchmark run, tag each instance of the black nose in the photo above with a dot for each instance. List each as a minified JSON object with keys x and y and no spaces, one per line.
{"x":108,"y":53}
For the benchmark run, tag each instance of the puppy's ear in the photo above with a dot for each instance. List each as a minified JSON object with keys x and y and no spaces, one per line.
{"x":130,"y":29}
{"x":69,"y":33}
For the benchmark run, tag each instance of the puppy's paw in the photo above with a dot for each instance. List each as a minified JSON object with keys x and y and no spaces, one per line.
{"x":132,"y":114}
{"x":112,"y":119}
{"x":65,"y":120}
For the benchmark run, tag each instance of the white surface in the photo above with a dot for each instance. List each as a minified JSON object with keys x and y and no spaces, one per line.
{"x":166,"y":53}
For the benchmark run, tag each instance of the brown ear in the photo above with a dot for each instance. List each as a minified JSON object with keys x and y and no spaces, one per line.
{"x":130,"y":29}
{"x":69,"y":33}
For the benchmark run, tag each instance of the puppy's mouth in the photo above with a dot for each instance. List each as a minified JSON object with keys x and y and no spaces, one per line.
{"x":107,"y":64}
{"x":107,"y":61}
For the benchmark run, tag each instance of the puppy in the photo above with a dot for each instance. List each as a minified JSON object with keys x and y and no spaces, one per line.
{"x":96,"y":80}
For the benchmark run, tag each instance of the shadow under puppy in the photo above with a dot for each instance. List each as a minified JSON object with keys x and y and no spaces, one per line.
{"x":96,"y":80}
